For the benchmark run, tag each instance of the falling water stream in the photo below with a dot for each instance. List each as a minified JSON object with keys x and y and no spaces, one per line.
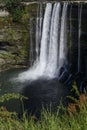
{"x":45,"y":37}
{"x":70,"y":33}
{"x":63,"y":38}
{"x":31,"y":52}
{"x":79,"y":36}
{"x":37,"y":70}
{"x":53,"y":42}
{"x":53,"y":45}
{"x":38,"y":28}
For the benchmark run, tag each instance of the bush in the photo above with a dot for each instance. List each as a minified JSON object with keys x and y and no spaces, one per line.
{"x":17,"y":15}
{"x":15,"y":8}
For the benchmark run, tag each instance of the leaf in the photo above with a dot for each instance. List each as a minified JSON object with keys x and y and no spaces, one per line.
{"x":9,"y":96}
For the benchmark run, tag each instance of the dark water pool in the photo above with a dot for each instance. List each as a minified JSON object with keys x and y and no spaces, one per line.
{"x":40,"y":92}
{"x":7,"y":84}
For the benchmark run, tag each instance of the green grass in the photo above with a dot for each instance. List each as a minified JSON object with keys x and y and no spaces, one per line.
{"x":47,"y":121}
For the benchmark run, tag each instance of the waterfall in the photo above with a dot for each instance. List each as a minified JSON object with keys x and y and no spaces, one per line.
{"x":41,"y":15}
{"x":53,"y":44}
{"x":37,"y":33}
{"x":45,"y":37}
{"x":79,"y":35}
{"x":63,"y":38}
{"x":70,"y":33}
{"x":38,"y":28}
{"x":31,"y":53}
{"x":38,"y":68}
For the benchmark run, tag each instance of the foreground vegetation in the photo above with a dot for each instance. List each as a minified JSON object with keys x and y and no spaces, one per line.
{"x":48,"y":120}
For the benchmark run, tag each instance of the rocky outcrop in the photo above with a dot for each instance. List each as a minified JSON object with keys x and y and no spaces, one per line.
{"x":14,"y":39}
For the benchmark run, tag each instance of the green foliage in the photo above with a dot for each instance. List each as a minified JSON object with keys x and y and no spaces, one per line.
{"x":75,"y":100}
{"x":76,"y":92}
{"x":9,"y":96}
{"x":48,"y":121}
{"x":75,"y":89}
{"x":17,"y":15}
{"x":15,"y":8}
{"x":5,"y":115}
{"x":11,"y":5}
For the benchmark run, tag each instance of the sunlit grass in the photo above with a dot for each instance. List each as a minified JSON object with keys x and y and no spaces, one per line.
{"x":48,"y":121}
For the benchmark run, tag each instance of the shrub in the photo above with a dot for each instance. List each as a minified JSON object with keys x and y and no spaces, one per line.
{"x":15,"y":8}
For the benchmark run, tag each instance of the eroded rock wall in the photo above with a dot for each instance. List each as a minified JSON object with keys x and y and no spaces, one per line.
{"x":13,"y":44}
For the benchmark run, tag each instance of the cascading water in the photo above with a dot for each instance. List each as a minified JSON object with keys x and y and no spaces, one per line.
{"x":31,"y":53}
{"x":37,"y":70}
{"x":37,"y":32}
{"x":79,"y":35}
{"x":70,"y":32}
{"x":63,"y":38}
{"x":45,"y":38}
{"x":38,"y":28}
{"x":53,"y":53}
{"x":54,"y":42}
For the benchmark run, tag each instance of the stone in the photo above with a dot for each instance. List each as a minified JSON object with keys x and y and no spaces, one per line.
{"x":2,"y":61}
